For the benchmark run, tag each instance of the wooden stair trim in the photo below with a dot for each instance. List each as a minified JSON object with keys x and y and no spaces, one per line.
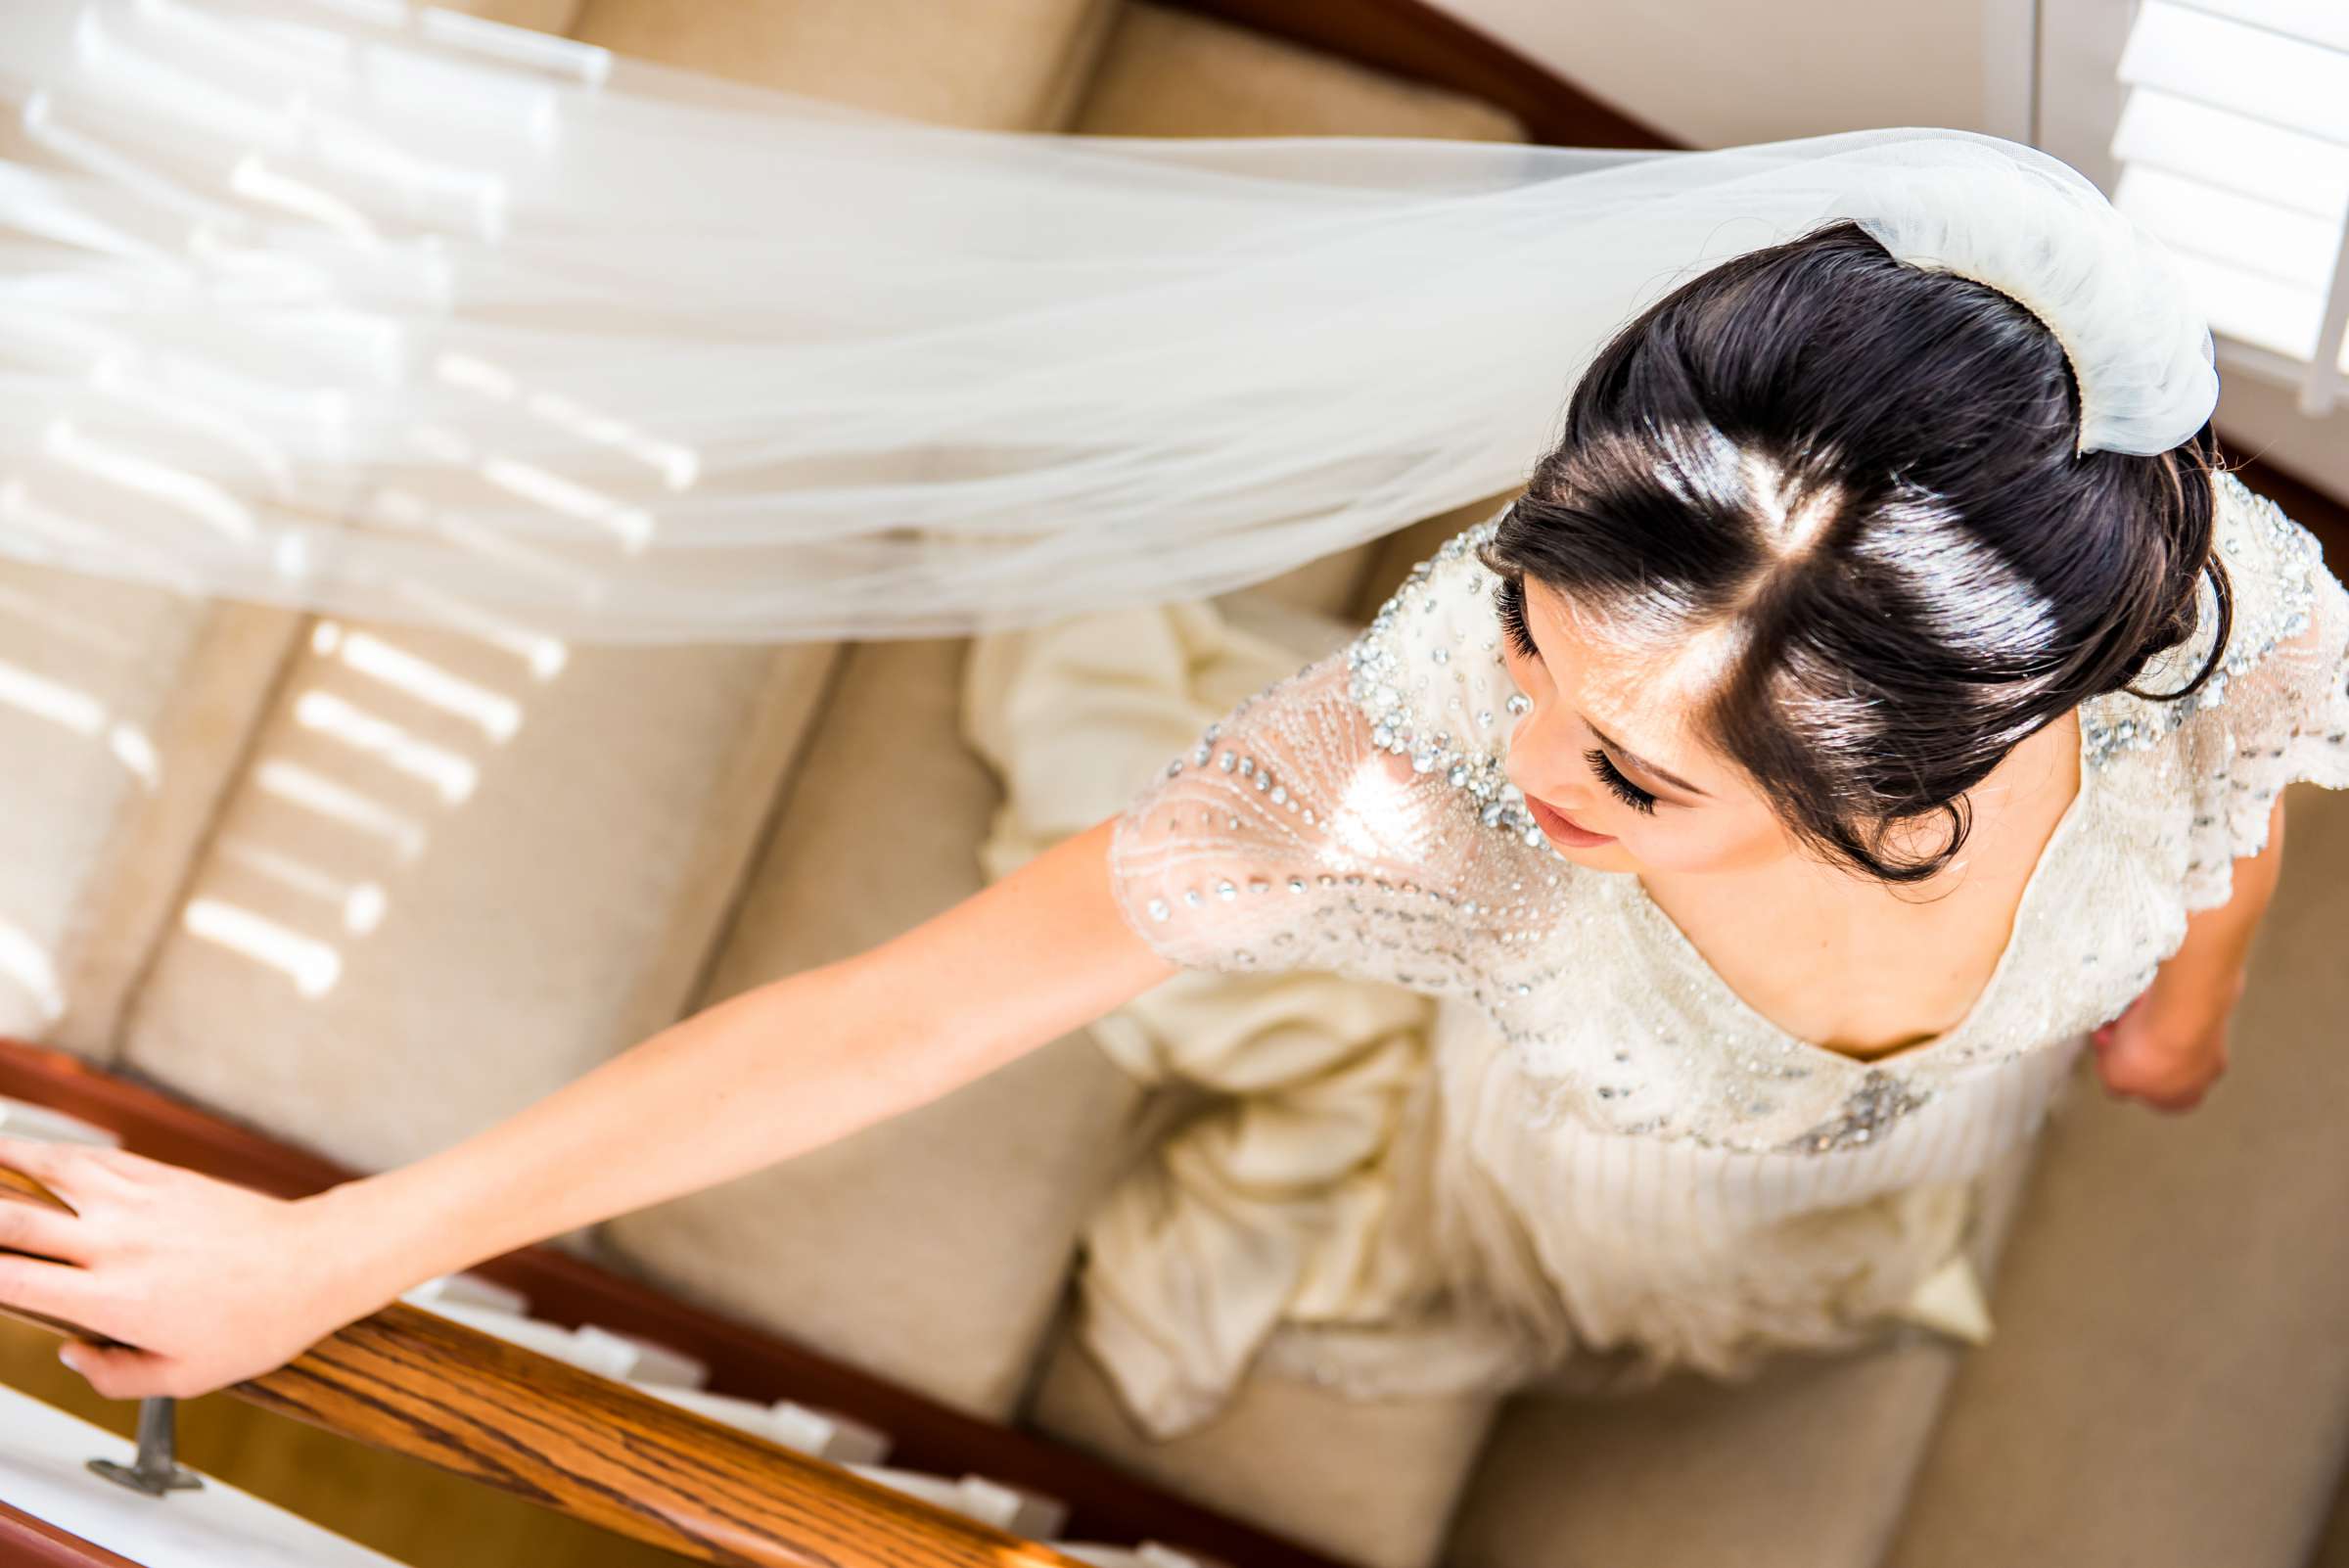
{"x":1416,"y":41}
{"x":29,"y":1543}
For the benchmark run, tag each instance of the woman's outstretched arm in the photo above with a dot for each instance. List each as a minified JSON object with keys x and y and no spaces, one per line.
{"x":212,"y":1283}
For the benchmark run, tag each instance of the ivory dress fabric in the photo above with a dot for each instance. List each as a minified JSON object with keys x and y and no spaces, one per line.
{"x":1480,"y":1118}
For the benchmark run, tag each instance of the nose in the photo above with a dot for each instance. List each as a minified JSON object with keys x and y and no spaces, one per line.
{"x":1531,"y":765}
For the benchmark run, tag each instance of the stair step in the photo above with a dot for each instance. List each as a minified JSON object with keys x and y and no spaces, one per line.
{"x":1009,"y":64}
{"x":1699,"y":1471}
{"x":1369,"y":1482}
{"x":123,"y":711}
{"x":421,"y":918}
{"x":1171,"y":71}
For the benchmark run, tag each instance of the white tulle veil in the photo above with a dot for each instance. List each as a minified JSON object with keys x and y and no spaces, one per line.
{"x":382,"y":311}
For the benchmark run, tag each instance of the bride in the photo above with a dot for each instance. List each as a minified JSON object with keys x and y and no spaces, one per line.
{"x":1778,"y":792}
{"x":1879,"y":694}
{"x":1778,"y":795}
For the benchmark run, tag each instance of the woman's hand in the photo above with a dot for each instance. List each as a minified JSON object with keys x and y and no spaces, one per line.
{"x":200,"y":1283}
{"x":2169,"y":1044}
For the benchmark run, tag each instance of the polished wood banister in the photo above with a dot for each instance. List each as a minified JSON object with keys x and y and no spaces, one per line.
{"x":1106,"y":1502}
{"x":406,"y":1380}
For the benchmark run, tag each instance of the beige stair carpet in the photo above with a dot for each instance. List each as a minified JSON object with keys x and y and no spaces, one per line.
{"x":1803,"y":1467}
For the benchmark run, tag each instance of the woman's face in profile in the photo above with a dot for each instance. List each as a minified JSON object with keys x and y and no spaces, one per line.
{"x":1607,"y":759}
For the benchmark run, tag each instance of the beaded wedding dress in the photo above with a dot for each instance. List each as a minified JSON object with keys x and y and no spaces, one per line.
{"x":1476,"y":1117}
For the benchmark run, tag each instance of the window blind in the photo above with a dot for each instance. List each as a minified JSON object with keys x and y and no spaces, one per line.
{"x":2234,"y":147}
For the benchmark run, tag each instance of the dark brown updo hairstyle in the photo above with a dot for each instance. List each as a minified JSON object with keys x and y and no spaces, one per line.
{"x":1957,"y":575}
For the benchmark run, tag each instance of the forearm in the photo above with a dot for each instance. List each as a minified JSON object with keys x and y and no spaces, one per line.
{"x":740,"y":1085}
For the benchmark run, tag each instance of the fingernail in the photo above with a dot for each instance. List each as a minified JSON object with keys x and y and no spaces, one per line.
{"x":64,"y":1354}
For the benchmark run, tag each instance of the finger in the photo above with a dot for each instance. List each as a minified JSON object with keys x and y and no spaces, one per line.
{"x":52,"y":1290}
{"x":118,"y":1371}
{"x":54,"y":1166}
{"x":44,"y":1232}
{"x":98,"y":1158}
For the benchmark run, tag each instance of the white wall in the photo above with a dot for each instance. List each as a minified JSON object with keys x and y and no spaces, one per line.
{"x":1716,"y":72}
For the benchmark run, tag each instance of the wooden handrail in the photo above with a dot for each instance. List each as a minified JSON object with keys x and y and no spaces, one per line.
{"x":406,"y":1380}
{"x":1106,"y":1502}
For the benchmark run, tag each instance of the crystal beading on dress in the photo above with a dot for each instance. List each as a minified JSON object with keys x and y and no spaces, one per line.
{"x":1354,"y":817}
{"x":2290,"y":555}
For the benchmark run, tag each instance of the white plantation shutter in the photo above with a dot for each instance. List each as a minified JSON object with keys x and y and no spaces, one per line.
{"x":2234,"y":147}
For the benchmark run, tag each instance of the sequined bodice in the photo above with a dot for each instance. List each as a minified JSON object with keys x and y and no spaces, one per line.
{"x":1357,"y":817}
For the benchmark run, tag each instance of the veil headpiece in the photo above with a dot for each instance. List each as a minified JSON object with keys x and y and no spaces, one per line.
{"x":389,"y":312}
{"x":2036,"y":230}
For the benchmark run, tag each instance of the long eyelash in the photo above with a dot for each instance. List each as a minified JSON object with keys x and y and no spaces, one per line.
{"x":1521,"y":638}
{"x":1623,"y":789}
{"x":1512,"y":618}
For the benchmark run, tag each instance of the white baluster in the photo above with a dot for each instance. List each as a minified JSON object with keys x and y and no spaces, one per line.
{"x":471,"y":1290}
{"x":828,"y":1434}
{"x":1149,"y":1554}
{"x":1007,"y":1507}
{"x":637,"y":1360}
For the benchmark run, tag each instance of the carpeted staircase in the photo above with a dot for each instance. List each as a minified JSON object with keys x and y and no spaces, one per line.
{"x":207,"y":883}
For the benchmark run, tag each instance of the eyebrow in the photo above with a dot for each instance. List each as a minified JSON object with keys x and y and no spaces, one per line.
{"x":1625,"y":751}
{"x":1643,"y":763}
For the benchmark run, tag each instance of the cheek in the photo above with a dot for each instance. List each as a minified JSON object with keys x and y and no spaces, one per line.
{"x":1705,"y":839}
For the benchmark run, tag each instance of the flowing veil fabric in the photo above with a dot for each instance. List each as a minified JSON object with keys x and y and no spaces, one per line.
{"x":383,"y":310}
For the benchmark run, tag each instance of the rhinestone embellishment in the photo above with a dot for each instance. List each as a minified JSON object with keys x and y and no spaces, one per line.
{"x":1878,"y":1100}
{"x":2119,"y":721}
{"x":1377,"y":661}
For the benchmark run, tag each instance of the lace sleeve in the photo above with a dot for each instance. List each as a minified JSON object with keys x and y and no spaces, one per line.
{"x":1357,"y":817}
{"x":1285,"y":838}
{"x":2277,"y":711}
{"x":2285,"y":720}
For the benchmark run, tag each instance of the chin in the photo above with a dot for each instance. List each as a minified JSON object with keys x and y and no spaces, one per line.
{"x":1599,"y":857}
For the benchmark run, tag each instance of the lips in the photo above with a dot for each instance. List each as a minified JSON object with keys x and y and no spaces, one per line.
{"x":1563,"y":828}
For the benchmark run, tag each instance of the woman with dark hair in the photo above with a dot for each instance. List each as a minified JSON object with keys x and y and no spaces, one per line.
{"x":1817,"y":754}
{"x":1775,"y":797}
